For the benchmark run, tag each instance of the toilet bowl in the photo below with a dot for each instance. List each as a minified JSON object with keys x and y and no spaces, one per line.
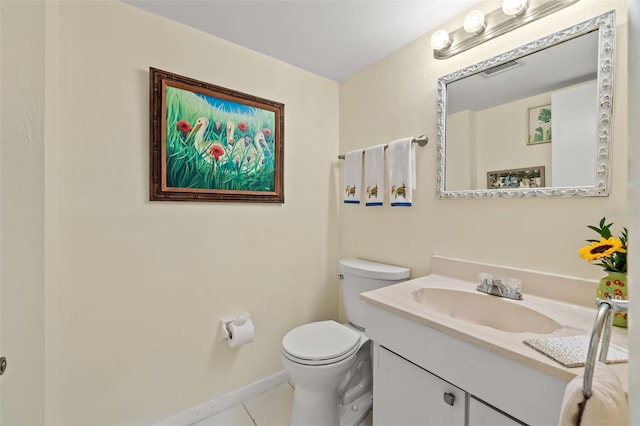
{"x":330,"y":366}
{"x":330,"y":363}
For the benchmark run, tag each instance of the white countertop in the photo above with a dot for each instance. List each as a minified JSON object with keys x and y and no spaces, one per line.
{"x":574,"y":320}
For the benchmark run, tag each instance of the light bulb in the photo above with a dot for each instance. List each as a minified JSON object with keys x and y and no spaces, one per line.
{"x":474,"y":22}
{"x":440,"y":40}
{"x":514,"y":7}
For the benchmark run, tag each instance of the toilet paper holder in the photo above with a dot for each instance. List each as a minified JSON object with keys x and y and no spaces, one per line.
{"x":238,"y":319}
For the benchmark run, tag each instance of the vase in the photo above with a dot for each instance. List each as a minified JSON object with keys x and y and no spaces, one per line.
{"x":614,"y":286}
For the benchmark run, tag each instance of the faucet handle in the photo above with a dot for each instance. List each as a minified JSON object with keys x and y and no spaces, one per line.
{"x":513,"y":286}
{"x":486,"y":280}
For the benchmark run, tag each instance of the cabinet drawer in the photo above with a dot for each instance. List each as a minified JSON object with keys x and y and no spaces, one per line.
{"x":407,"y":395}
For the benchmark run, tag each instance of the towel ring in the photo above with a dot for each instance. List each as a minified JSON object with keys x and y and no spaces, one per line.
{"x":601,"y":328}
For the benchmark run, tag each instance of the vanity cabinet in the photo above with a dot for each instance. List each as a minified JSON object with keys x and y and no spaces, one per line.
{"x":408,"y":395}
{"x":481,"y":414}
{"x":415,"y":365}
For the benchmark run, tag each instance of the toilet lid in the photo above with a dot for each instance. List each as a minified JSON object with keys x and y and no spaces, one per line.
{"x":322,"y":340}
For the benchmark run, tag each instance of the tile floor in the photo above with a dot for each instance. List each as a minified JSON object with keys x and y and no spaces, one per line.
{"x":271,"y":408}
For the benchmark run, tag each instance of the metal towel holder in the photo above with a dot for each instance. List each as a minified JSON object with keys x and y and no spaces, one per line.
{"x":601,"y":328}
{"x":421,"y":140}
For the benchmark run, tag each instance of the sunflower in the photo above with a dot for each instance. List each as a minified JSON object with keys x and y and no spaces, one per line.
{"x":609,"y":252}
{"x":603,"y":248}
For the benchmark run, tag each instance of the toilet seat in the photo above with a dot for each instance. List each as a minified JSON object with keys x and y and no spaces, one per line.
{"x":320,"y":343}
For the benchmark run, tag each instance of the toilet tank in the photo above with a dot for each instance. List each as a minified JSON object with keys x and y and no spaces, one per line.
{"x":360,"y":275}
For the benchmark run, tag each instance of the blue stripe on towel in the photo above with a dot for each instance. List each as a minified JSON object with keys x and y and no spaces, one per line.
{"x":351,"y":202}
{"x":374,"y":203}
{"x":401,"y":204}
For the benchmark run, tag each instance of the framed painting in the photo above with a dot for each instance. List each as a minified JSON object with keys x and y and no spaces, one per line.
{"x":528,"y":177}
{"x":539,"y":125}
{"x":209,"y":143}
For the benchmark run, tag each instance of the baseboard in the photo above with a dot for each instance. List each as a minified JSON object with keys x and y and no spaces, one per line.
{"x":226,"y":401}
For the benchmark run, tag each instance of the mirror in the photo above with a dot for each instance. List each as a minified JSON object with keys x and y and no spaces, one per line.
{"x":532,"y":122}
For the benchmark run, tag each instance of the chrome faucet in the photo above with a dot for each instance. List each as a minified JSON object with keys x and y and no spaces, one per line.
{"x":496,"y":288}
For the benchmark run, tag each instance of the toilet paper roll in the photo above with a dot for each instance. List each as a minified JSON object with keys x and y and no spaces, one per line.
{"x":240,"y":332}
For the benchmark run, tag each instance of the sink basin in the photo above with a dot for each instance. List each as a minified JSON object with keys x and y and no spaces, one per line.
{"x":483,"y":309}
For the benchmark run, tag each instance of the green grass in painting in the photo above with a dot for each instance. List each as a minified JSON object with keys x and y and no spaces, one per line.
{"x":240,"y":168}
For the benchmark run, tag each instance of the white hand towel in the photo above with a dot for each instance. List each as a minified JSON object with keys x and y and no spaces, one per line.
{"x":402,"y":171}
{"x":352,"y":176}
{"x":607,"y":405}
{"x":374,"y":175}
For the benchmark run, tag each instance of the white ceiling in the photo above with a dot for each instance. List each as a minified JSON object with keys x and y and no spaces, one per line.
{"x":331,"y":38}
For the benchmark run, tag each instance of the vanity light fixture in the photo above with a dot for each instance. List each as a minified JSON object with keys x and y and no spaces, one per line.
{"x":479,"y":27}
{"x":440,"y":40}
{"x":514,"y":7}
{"x":475,"y":22}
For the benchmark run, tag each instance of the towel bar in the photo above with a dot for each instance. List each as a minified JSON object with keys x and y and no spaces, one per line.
{"x":601,"y":327}
{"x":420,"y":140}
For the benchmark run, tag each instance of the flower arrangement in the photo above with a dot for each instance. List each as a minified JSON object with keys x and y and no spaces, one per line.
{"x":609,"y":251}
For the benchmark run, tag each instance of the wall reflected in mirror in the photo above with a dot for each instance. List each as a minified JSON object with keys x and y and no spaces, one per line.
{"x":544,"y":106}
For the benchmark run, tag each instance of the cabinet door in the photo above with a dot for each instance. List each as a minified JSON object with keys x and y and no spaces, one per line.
{"x":481,"y":414}
{"x":406,"y":395}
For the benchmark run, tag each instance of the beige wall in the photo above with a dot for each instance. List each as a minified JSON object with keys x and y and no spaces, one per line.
{"x":22,"y":213}
{"x":462,"y":155}
{"x":134,"y":289}
{"x":495,"y":145}
{"x":539,"y":234}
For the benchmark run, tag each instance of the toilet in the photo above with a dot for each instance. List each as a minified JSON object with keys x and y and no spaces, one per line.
{"x":330,"y":363}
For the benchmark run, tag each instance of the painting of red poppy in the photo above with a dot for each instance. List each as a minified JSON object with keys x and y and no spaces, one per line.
{"x":210,"y":143}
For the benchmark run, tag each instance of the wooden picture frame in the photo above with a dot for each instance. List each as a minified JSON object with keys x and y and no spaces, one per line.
{"x":210,"y":143}
{"x":527,"y":177}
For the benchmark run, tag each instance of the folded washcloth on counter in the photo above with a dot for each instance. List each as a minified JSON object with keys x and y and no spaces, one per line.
{"x":571,"y":351}
{"x":353,"y":176}
{"x":374,"y":175}
{"x":402,"y":171}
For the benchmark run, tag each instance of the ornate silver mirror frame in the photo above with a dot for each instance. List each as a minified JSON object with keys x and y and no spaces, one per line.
{"x":605,"y":24}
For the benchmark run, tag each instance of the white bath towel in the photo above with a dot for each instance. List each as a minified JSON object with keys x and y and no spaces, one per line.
{"x":607,"y":405}
{"x":353,"y":177}
{"x":374,"y":175}
{"x":401,"y":166}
